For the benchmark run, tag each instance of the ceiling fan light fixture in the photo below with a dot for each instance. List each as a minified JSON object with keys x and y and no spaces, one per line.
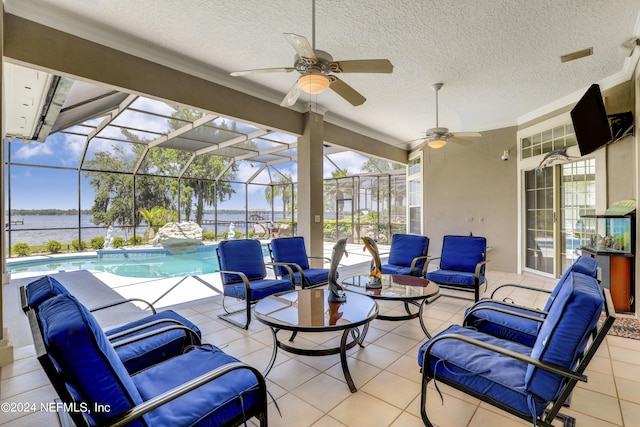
{"x":437,"y":143}
{"x":313,"y":83}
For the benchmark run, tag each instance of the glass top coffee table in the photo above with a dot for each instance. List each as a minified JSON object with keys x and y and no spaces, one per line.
{"x":397,"y":287}
{"x":308,"y":310}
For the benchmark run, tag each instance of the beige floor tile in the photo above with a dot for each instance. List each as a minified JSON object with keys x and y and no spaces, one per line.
{"x":393,"y":389}
{"x":291,"y":374}
{"x":596,"y":405}
{"x":322,"y":391}
{"x":293,"y":412}
{"x":628,"y":390}
{"x":630,"y":413}
{"x":362,"y":409}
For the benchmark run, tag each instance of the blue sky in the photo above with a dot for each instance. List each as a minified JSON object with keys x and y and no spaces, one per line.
{"x":41,"y":188}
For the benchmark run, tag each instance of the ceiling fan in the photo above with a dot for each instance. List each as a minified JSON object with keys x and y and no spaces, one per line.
{"x":317,"y":69}
{"x":438,"y":137}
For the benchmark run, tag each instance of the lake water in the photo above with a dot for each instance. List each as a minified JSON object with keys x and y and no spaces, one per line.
{"x":40,"y":229}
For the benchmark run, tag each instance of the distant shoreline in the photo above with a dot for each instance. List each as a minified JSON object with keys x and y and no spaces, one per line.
{"x":22,"y":212}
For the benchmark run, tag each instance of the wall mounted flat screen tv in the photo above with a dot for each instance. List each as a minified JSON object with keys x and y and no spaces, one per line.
{"x":590,"y":121}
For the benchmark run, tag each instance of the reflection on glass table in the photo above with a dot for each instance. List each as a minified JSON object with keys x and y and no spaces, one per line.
{"x":411,"y":290}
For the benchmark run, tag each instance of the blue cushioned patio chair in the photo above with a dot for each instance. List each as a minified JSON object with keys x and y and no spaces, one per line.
{"x":204,"y":386}
{"x":407,"y":255}
{"x":244,"y":273}
{"x":462,"y":264}
{"x":139,"y":344}
{"x":505,"y":319}
{"x":292,"y":251}
{"x":531,"y":383}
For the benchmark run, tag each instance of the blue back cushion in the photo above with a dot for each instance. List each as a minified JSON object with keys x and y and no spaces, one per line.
{"x":289,"y":249}
{"x":462,"y":253}
{"x":42,"y":289}
{"x":565,"y":332}
{"x":82,"y":351}
{"x":241,"y":255}
{"x":584,"y":265}
{"x":406,"y":247}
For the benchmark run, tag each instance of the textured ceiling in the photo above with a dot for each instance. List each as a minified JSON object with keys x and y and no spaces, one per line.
{"x":499,"y":60}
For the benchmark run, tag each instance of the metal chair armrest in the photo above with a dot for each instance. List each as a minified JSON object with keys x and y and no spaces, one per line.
{"x":559,"y":370}
{"x":509,"y":312}
{"x":515,"y":285}
{"x":114,"y":304}
{"x":414,"y":261}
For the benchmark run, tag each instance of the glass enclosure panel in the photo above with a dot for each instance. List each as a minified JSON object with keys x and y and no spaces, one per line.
{"x":578,"y":195}
{"x":539,"y":240}
{"x":108,"y":155}
{"x":231,"y":210}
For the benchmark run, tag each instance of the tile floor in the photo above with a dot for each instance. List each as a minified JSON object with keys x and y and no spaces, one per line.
{"x":311,"y":391}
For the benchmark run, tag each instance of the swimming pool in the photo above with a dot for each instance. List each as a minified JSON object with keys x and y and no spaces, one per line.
{"x":150,"y":262}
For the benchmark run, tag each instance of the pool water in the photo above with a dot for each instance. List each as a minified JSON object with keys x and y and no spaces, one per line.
{"x":134,"y":263}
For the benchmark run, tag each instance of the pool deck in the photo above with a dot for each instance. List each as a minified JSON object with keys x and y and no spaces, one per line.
{"x":171,"y":291}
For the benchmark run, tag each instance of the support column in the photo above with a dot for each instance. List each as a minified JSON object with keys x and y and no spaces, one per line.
{"x":6,"y":349}
{"x":310,"y":187}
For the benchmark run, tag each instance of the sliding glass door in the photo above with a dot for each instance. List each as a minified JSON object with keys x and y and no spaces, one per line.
{"x":555,"y":199}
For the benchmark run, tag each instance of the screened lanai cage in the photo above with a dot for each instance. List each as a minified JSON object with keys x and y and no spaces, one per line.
{"x":122,"y":165}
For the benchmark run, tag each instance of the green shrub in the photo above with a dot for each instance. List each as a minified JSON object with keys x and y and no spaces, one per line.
{"x":78,"y":245}
{"x":118,"y":242}
{"x":97,"y":242}
{"x":21,"y":249}
{"x":134,"y":240}
{"x":209,"y":235}
{"x":54,"y":246}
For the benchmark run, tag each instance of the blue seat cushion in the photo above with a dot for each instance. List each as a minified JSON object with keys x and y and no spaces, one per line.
{"x":494,"y":375}
{"x":565,"y":332}
{"x":584,"y":265}
{"x":313,"y":276}
{"x":290,"y":250}
{"x":406,"y":247}
{"x":395,"y":269}
{"x":241,"y":255}
{"x":77,"y":344}
{"x":213,"y":404}
{"x":42,"y":289}
{"x":259,"y":288}
{"x":157,"y":348}
{"x":455,"y":278}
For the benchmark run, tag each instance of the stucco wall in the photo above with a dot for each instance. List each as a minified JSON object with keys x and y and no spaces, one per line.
{"x":469,"y":189}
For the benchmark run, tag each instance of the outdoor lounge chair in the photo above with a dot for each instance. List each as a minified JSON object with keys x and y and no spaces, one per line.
{"x":462,"y":264}
{"x":292,"y":251}
{"x":519,"y":323}
{"x":407,"y":255}
{"x":159,"y":336}
{"x":243,"y":273}
{"x":203,"y":386}
{"x":516,"y":378}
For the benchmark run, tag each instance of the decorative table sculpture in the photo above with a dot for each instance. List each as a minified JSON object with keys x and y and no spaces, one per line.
{"x":336,"y":291}
{"x":375,"y":276}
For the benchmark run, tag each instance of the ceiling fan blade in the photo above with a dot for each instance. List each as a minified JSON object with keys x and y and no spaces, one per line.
{"x":301,"y":45}
{"x":292,"y":96}
{"x":460,"y":141}
{"x":467,"y":134}
{"x":347,"y":92}
{"x":263,"y":70}
{"x":364,"y":66}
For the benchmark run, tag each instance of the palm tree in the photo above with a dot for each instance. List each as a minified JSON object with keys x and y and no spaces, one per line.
{"x":280,"y":187}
